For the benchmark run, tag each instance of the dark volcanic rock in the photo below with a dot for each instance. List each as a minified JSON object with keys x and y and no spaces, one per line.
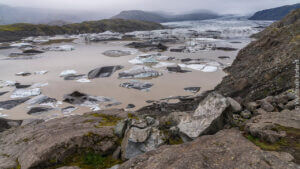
{"x":179,"y":49}
{"x":265,"y":67}
{"x":78,"y":98}
{"x":33,"y":51}
{"x":226,"y":48}
{"x":176,"y":69}
{"x":20,"y":86}
{"x":38,"y":110}
{"x":224,"y":57}
{"x":130,"y":106}
{"x":226,"y":149}
{"x":9,"y":104}
{"x":103,"y":72}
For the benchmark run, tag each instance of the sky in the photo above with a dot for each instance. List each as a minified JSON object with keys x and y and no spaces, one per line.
{"x":242,"y":7}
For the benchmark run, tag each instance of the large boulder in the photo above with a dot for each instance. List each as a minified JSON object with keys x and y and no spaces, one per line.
{"x":47,"y":144}
{"x":264,"y":126}
{"x":102,"y":72}
{"x":141,"y":136}
{"x":226,"y":149}
{"x":209,"y":117}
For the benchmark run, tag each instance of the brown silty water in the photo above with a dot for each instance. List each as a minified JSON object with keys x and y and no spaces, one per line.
{"x":87,"y":57}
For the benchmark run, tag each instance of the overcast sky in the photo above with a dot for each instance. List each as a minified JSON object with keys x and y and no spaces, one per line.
{"x":175,"y":6}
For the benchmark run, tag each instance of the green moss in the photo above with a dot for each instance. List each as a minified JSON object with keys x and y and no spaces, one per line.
{"x":89,"y":160}
{"x":18,"y":165}
{"x":132,"y":116}
{"x":26,"y":140}
{"x":290,"y":143}
{"x":107,"y":120}
{"x":175,"y":140}
{"x":264,"y":145}
{"x":9,"y":28}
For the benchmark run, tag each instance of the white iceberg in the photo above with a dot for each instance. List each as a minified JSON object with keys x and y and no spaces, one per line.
{"x":209,"y":69}
{"x":67,"y":73}
{"x":5,"y":83}
{"x":164,"y":64}
{"x":19,"y":45}
{"x":3,"y":115}
{"x":41,"y":72}
{"x":39,"y":85}
{"x":84,"y":80}
{"x":21,"y":93}
{"x":60,"y":48}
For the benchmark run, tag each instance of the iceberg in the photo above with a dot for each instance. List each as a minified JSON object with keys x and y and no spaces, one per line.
{"x":22,"y":93}
{"x":67,"y":73}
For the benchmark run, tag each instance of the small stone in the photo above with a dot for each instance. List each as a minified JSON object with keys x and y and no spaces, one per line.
{"x":130,"y":106}
{"x":246,"y":114}
{"x":252,"y":106}
{"x":266,"y":105}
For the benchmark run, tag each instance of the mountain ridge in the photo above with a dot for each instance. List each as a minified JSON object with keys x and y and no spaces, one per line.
{"x":158,"y":17}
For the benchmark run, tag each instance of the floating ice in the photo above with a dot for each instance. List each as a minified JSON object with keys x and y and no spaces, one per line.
{"x":41,"y":72}
{"x":139,"y":72}
{"x":60,"y":48}
{"x":84,"y":80}
{"x":209,"y":69}
{"x":4,"y":83}
{"x":164,"y":64}
{"x":67,"y":73}
{"x":3,"y":115}
{"x":39,"y":85}
{"x":18,"y":45}
{"x":21,"y":93}
{"x":68,"y":110}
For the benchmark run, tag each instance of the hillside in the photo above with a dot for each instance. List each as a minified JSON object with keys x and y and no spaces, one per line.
{"x":266,"y":66}
{"x":17,"y":31}
{"x":274,"y":13}
{"x":157,"y":17}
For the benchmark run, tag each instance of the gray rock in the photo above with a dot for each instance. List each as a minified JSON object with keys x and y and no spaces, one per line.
{"x":266,"y":105}
{"x":120,"y":128}
{"x":263,"y":126}
{"x":226,"y":149}
{"x":246,"y":114}
{"x":102,"y":72}
{"x":7,"y":124}
{"x":236,"y":107}
{"x":41,"y":99}
{"x":115,"y":167}
{"x":252,"y":106}
{"x":208,"y":118}
{"x":33,"y":51}
{"x":9,"y":104}
{"x":138,"y":135}
{"x":117,"y":153}
{"x":37,"y":145}
{"x":23,"y":74}
{"x":291,"y":105}
{"x":78,"y":98}
{"x":31,"y":121}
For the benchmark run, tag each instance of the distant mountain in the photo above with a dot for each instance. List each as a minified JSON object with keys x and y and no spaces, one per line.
{"x":274,"y":13}
{"x":11,"y":15}
{"x":159,"y":17}
{"x":18,"y":31}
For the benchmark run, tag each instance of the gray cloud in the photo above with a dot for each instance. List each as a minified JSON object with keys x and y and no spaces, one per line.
{"x":175,"y":6}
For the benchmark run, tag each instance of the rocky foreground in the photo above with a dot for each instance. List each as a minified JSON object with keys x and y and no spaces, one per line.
{"x":251,"y":120}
